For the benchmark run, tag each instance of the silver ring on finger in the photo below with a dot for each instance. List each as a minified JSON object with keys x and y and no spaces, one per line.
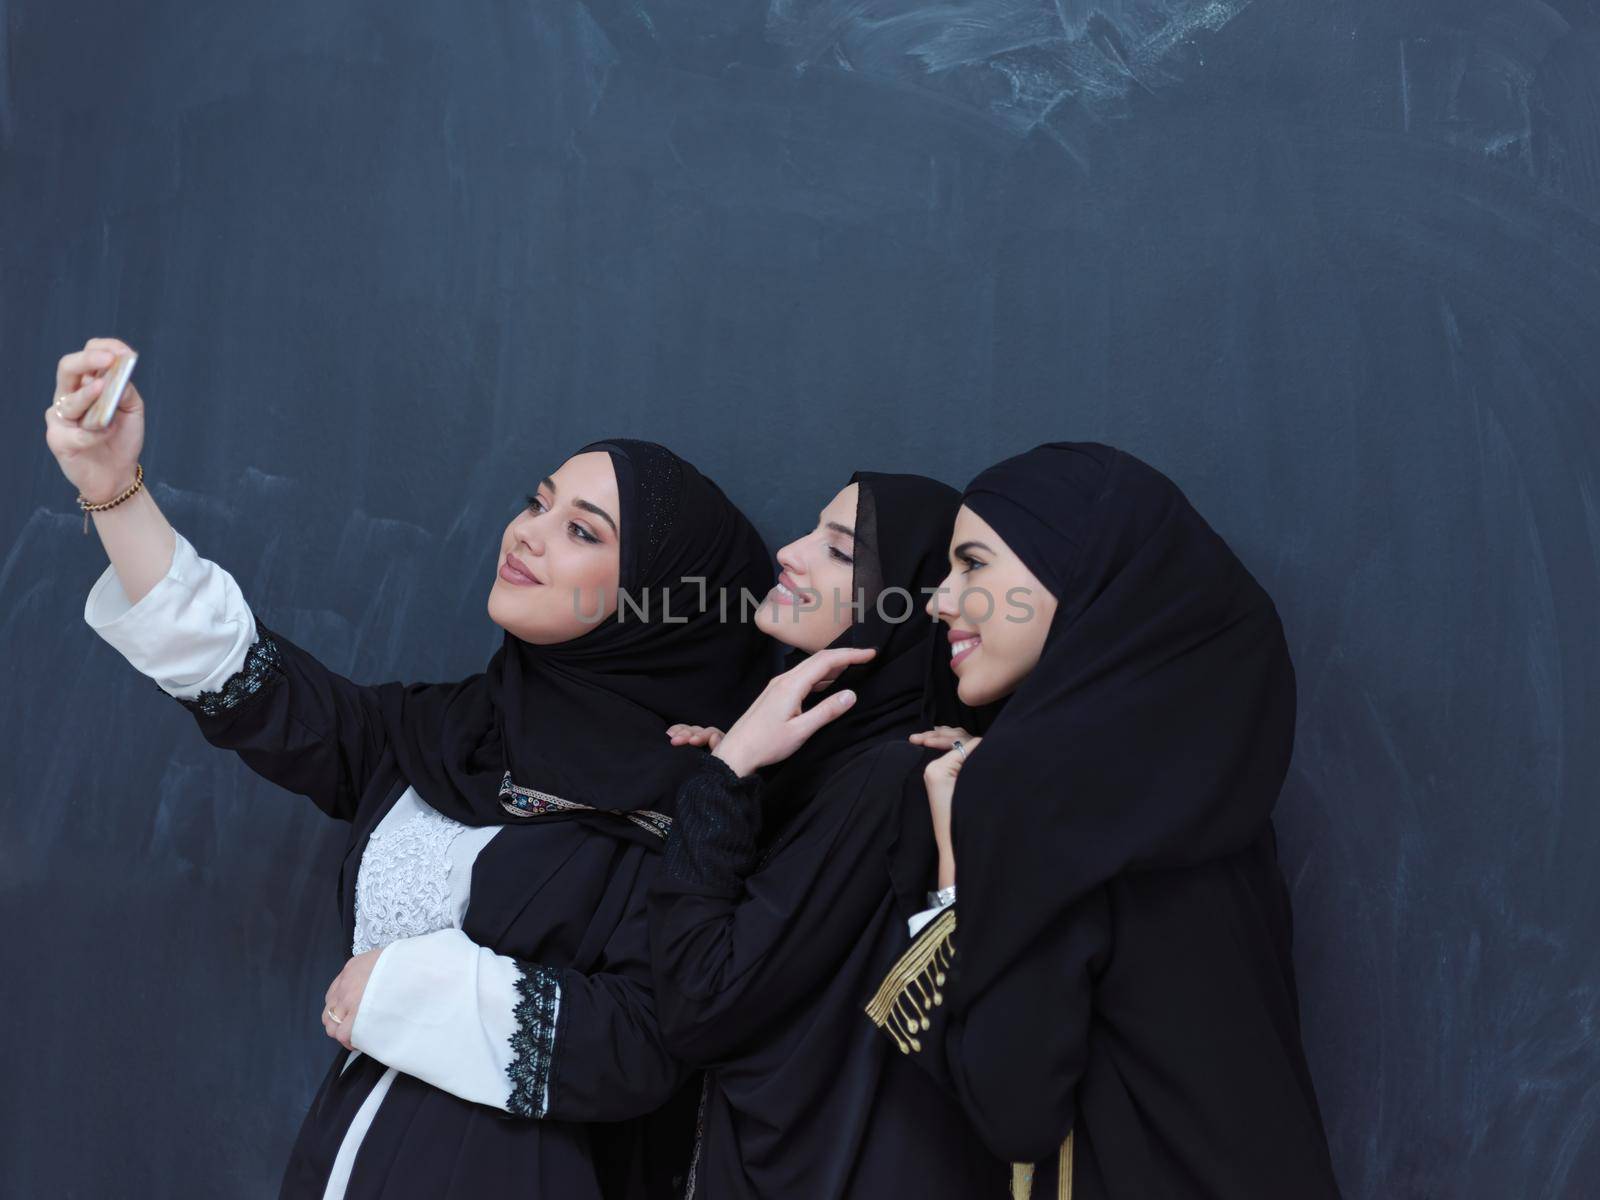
{"x":334,"y":1017}
{"x":960,"y":749}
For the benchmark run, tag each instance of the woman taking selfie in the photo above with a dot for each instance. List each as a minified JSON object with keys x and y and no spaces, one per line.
{"x":496,"y":1020}
{"x":779,"y":909}
{"x":1111,"y":995}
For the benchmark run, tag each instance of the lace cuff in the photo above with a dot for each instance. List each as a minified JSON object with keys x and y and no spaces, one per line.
{"x":262,"y":666}
{"x":534,"y":1040}
{"x":463,"y":1018}
{"x":715,"y":827}
{"x":914,"y":986}
{"x":189,"y":633}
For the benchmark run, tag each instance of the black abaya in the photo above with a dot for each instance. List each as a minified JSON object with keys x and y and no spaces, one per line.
{"x":1112,"y":997}
{"x":778,"y":913}
{"x":561,"y":745}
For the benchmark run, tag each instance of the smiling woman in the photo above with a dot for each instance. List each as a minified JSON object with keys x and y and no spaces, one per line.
{"x":990,"y":656}
{"x":789,"y":877}
{"x":809,"y":605}
{"x":1112,"y":999}
{"x":561,"y":555}
{"x":467,"y":1002}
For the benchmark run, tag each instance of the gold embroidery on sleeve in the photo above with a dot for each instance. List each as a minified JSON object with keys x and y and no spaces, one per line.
{"x":1022,"y":1175}
{"x":912,"y":986}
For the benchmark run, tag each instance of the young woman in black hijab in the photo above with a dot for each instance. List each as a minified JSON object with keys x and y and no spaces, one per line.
{"x":777,"y":914}
{"x":1112,"y":998}
{"x":496,"y":1022}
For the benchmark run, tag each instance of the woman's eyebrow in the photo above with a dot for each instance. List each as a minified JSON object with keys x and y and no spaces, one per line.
{"x":583,"y":504}
{"x":966,"y":546}
{"x":597,"y":511}
{"x":848,"y":532}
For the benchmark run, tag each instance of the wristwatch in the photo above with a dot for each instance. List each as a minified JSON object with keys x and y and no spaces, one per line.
{"x":943,"y":898}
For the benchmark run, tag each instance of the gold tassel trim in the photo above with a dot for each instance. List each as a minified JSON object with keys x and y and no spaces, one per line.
{"x":1022,"y":1175}
{"x":912,"y":988}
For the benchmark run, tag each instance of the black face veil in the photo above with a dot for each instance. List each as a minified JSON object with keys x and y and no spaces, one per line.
{"x":579,"y":728}
{"x":1157,"y":726}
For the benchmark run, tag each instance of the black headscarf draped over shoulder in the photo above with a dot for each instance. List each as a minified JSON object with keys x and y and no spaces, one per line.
{"x":1156,"y":728}
{"x":776,"y":915}
{"x":902,"y":538}
{"x":578,"y":729}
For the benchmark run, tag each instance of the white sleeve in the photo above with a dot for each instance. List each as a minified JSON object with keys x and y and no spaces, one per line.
{"x":918,"y":920}
{"x":474,"y":1023}
{"x":191,"y":631}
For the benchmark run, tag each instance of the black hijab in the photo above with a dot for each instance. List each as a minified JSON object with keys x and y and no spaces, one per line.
{"x":578,"y":729}
{"x":774,"y":917}
{"x":1156,"y":728}
{"x":902,"y":527}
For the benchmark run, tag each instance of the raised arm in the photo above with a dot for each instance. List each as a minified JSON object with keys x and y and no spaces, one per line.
{"x":182,"y":621}
{"x":250,"y":689}
{"x":737,"y":941}
{"x":527,"y":1038}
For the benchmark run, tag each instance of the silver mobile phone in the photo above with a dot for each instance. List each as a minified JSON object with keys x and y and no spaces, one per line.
{"x":116,"y":377}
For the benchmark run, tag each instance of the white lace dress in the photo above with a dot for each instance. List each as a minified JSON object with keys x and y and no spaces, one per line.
{"x":437,"y":1005}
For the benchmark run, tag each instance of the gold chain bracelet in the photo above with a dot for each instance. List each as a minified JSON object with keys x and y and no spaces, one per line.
{"x":138,"y":482}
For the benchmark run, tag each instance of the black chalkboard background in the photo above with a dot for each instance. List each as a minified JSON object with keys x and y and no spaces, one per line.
{"x":1335,"y":267}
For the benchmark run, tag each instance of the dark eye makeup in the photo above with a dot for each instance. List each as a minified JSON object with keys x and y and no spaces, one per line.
{"x":533,"y":503}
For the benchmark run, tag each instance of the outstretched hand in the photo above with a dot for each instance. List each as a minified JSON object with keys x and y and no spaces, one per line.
{"x":775,"y":726}
{"x":99,"y":462}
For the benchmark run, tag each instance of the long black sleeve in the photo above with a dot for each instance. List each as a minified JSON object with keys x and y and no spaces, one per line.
{"x":297,"y":723}
{"x":1013,"y":1056}
{"x":292,"y":720}
{"x":737,"y":942}
{"x":611,"y":1059}
{"x":532,"y":1039}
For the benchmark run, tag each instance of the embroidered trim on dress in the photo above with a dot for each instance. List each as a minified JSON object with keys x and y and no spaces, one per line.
{"x":534,"y":1040}
{"x":699,"y":1136}
{"x":1022,"y":1175}
{"x":911,"y":989}
{"x":403,"y":885}
{"x":263,"y":664}
{"x":526,"y":802}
